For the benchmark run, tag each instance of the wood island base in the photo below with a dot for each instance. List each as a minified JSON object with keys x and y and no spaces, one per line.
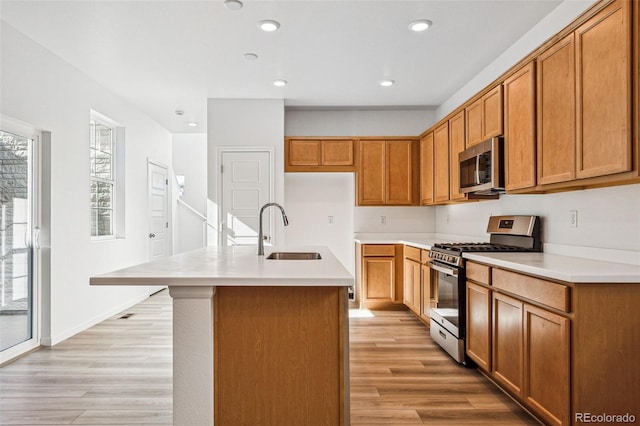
{"x":261,"y":355}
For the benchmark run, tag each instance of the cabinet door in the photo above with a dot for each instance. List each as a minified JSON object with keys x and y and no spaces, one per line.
{"x":426,"y":169}
{"x":520,"y":142}
{"x":507,"y":343}
{"x":371,"y":173}
{"x":399,"y":172}
{"x":479,"y":325}
{"x":492,"y":113}
{"x":603,"y":71}
{"x":456,"y":146}
{"x":546,"y":361}
{"x":441,"y":160}
{"x":412,"y":285}
{"x":337,"y":152}
{"x":426,"y":293}
{"x":556,"y":113}
{"x":304,"y":152}
{"x":473,"y":115}
{"x":378,"y":276}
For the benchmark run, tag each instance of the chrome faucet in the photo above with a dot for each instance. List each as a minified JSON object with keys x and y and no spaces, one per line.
{"x":260,"y":236}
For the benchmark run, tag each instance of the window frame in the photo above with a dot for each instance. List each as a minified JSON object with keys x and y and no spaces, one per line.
{"x":113,"y":126}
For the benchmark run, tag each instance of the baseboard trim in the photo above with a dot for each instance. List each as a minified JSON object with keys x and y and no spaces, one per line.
{"x":60,"y":337}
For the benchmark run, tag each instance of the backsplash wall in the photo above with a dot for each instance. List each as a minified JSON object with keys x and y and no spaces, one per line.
{"x":608,"y":218}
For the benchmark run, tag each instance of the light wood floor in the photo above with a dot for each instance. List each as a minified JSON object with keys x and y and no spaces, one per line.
{"x":119,"y":372}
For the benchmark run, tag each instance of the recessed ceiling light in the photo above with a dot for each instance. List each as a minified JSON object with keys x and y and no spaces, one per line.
{"x":268,"y":25}
{"x":250,"y":56}
{"x":280,"y":83}
{"x":387,"y":83}
{"x":192,"y":124}
{"x":420,"y":25}
{"x":233,"y":4}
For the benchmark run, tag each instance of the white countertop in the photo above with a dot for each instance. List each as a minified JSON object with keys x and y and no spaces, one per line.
{"x":563,"y":268}
{"x":233,"y":266}
{"x":552,"y":266}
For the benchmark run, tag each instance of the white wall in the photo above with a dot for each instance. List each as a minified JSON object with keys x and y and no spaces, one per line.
{"x":559,"y":18}
{"x":311,"y":199}
{"x":190,"y":160}
{"x":358,"y":122}
{"x":367,"y":122}
{"x":607,"y":219}
{"x":42,"y":90}
{"x":245,"y":123}
{"x":316,"y":196}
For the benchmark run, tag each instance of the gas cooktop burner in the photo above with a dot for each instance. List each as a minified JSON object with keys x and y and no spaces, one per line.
{"x":471,"y":247}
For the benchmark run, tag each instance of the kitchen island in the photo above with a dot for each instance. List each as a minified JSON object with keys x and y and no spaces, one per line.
{"x":255,"y":340}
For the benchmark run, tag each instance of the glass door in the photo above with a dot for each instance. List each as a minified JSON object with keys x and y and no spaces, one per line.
{"x":18,"y":298}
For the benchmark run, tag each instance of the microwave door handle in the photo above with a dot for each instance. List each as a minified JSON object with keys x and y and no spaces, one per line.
{"x":476,"y":173}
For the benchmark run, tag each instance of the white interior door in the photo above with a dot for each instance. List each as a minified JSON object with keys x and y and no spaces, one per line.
{"x":246,"y":186}
{"x":158,"y":215}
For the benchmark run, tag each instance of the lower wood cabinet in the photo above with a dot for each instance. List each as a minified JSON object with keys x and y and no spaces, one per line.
{"x":506,"y":366}
{"x":479,"y":325}
{"x":523,"y":346}
{"x":381,"y":281}
{"x":412,"y":278}
{"x":546,"y":361}
{"x":428,"y":293}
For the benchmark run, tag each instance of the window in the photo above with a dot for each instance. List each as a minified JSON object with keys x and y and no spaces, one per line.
{"x":106,"y":140}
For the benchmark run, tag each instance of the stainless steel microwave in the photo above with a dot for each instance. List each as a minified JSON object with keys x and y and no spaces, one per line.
{"x":482,"y":168}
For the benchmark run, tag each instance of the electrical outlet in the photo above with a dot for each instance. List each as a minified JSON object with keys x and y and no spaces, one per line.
{"x":573,"y":218}
{"x":330,"y":220}
{"x":383,"y":220}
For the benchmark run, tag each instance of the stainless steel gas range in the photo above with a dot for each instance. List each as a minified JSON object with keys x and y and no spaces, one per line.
{"x":448,"y":319}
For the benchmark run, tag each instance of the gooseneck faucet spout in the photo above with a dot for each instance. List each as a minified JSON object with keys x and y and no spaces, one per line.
{"x":260,"y":233}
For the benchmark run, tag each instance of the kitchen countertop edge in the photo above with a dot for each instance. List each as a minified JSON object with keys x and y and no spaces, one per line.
{"x":234,"y":266}
{"x":551,"y":266}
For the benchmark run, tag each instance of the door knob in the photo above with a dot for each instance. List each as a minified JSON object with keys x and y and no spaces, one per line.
{"x":152,"y":235}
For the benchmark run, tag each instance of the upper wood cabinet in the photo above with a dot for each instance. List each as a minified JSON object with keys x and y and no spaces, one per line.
{"x":319,"y":155}
{"x":426,"y":169}
{"x":371,"y":173}
{"x":484,"y":117}
{"x":456,"y":146}
{"x":441,"y":162}
{"x":556,"y":121}
{"x":603,"y":81}
{"x":584,"y":100}
{"x":519,"y":137}
{"x":388,"y":172}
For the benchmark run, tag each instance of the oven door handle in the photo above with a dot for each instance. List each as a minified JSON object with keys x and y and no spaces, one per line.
{"x":448,"y":271}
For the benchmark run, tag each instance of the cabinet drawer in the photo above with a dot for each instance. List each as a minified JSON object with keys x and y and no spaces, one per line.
{"x":479,"y":273}
{"x":378,"y":250}
{"x":424,"y":256}
{"x":412,"y":253}
{"x":545,"y":292}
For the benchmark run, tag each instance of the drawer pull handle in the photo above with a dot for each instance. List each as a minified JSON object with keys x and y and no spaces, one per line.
{"x":444,"y":336}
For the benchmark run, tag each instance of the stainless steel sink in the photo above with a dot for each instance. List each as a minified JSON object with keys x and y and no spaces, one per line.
{"x":294,"y":256}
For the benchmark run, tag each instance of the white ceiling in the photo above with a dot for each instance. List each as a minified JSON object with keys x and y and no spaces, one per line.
{"x":163,"y":55}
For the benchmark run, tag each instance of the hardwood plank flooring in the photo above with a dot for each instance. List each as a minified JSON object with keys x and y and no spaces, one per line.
{"x":119,"y":372}
{"x":400,"y":377}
